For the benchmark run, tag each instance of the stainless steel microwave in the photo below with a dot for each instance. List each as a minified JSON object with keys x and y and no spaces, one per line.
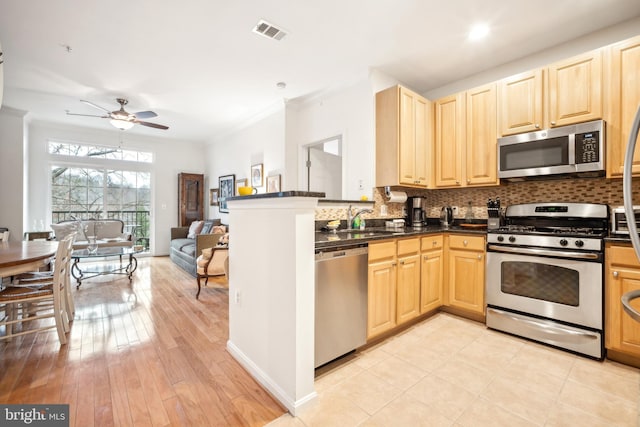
{"x":574,"y":149}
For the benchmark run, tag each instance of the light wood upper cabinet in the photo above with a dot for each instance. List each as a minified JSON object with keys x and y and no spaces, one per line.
{"x":575,"y":89}
{"x":623,"y":102}
{"x":466,"y":137}
{"x":563,"y":93}
{"x":431,"y":273}
{"x":465,"y":273}
{"x":404,"y":138}
{"x":481,"y":133}
{"x":450,"y":140}
{"x":520,"y":103}
{"x":622,"y":274}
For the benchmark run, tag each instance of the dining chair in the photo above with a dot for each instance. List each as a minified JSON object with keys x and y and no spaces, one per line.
{"x":41,"y":299}
{"x":43,"y":278}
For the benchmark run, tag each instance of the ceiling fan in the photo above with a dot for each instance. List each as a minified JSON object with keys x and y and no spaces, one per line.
{"x":122,"y":119}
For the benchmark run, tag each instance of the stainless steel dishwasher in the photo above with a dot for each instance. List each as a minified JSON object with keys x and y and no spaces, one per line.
{"x":341,"y":301}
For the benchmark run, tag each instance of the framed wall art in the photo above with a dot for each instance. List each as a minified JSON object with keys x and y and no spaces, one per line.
{"x":227,"y":187}
{"x":256,"y":176}
{"x":240,"y":183}
{"x":273,"y":183}
{"x":213,"y":197}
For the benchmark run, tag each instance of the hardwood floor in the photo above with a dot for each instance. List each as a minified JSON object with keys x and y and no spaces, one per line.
{"x":146,"y":353}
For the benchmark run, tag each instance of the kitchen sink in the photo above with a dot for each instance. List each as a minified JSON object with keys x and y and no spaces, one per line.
{"x":366,"y":232}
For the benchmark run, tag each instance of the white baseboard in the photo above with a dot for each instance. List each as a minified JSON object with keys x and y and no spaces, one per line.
{"x":293,"y":406}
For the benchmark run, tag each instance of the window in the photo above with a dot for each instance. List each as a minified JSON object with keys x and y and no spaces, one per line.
{"x":105,"y":189}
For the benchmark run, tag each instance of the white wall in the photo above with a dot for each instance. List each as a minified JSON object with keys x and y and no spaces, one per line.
{"x":262,"y":142}
{"x":12,"y":170}
{"x":170,"y":158}
{"x":348,"y":112}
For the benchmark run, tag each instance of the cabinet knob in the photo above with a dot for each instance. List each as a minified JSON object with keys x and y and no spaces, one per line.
{"x":537,"y":125}
{"x":435,"y":243}
{"x":468,"y":181}
{"x":401,"y":262}
{"x":457,"y":182}
{"x":425,"y":257}
{"x":465,"y":242}
{"x":393,"y":264}
{"x":479,"y":256}
{"x":615,"y":274}
{"x":553,"y":123}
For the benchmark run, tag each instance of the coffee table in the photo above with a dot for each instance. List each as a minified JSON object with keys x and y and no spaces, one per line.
{"x":83,"y":254}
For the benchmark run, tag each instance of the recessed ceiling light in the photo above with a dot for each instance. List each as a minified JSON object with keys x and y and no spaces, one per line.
{"x":281,"y":85}
{"x":478,"y":31}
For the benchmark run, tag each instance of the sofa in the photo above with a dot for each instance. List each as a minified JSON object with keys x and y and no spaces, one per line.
{"x":185,"y":247}
{"x":108,"y":232}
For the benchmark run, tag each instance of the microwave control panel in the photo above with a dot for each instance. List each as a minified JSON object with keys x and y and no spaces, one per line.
{"x":587,"y":147}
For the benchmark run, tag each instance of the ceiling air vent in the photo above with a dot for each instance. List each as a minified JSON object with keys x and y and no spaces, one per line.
{"x":269,"y":30}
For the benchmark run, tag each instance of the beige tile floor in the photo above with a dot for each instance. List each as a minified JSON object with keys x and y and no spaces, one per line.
{"x":448,"y":371}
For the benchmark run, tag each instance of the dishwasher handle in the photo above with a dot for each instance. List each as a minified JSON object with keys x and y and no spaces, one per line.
{"x":324,"y":255}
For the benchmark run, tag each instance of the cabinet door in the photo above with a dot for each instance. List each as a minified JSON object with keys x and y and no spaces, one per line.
{"x":481,"y":130}
{"x":382,"y":297}
{"x":622,"y":275}
{"x":190,"y":198}
{"x":624,"y":97}
{"x":431,"y":281}
{"x":450,"y":137}
{"x":520,"y":103}
{"x":466,"y":280}
{"x":424,"y":141}
{"x":407,"y":147}
{"x":575,"y":90}
{"x":408,"y":304}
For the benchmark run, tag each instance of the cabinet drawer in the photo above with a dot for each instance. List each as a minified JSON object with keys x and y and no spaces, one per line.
{"x":383,"y":250}
{"x":408,"y":246}
{"x":622,"y":255}
{"x":473,"y":243}
{"x":431,"y":242}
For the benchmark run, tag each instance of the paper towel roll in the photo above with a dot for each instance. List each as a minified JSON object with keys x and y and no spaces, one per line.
{"x":397,"y":196}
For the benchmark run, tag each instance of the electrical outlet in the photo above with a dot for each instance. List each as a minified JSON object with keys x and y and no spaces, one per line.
{"x":237,"y":297}
{"x":454,"y":209}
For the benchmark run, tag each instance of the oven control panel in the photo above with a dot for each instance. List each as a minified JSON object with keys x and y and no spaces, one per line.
{"x":555,"y":242}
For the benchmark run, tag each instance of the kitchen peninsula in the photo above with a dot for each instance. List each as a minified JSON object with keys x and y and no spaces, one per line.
{"x":271,"y":292}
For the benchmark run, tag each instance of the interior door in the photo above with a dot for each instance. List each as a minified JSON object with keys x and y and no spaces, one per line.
{"x":190,"y":198}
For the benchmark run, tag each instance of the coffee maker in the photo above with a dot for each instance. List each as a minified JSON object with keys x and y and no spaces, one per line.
{"x":415,"y":213}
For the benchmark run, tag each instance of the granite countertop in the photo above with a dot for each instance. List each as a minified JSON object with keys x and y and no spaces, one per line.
{"x":278,"y":195}
{"x":343,"y":238}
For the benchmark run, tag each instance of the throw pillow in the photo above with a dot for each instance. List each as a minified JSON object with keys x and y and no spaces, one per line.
{"x":218,"y":229}
{"x":194,"y":229}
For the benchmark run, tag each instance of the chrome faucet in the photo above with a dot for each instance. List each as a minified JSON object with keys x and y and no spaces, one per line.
{"x":351,"y":218}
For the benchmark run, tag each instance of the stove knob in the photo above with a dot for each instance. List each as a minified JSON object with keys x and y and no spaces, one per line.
{"x":500,"y":239}
{"x":579,"y":243}
{"x":563,"y":242}
{"x":512,"y":239}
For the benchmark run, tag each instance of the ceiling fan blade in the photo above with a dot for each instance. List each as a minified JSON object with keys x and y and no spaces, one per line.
{"x":145,"y":114}
{"x":94,"y":105}
{"x":86,"y":115}
{"x":151,"y":125}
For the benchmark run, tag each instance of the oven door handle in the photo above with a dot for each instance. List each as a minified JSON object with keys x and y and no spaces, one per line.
{"x":538,"y":251}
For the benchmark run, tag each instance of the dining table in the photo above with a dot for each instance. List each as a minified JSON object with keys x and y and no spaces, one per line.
{"x":25,"y":256}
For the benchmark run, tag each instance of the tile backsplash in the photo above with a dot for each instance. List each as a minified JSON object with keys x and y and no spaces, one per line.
{"x":588,"y":190}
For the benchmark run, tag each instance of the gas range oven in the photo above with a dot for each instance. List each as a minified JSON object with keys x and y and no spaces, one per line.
{"x":544,"y":275}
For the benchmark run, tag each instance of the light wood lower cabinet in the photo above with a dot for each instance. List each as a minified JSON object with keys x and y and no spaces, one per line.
{"x":465,"y":271}
{"x":382,"y":288}
{"x":408,"y":282}
{"x":622,"y":274}
{"x":431,"y":273}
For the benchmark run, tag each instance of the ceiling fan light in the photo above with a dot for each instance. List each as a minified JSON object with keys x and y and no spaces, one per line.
{"x":121,"y":124}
